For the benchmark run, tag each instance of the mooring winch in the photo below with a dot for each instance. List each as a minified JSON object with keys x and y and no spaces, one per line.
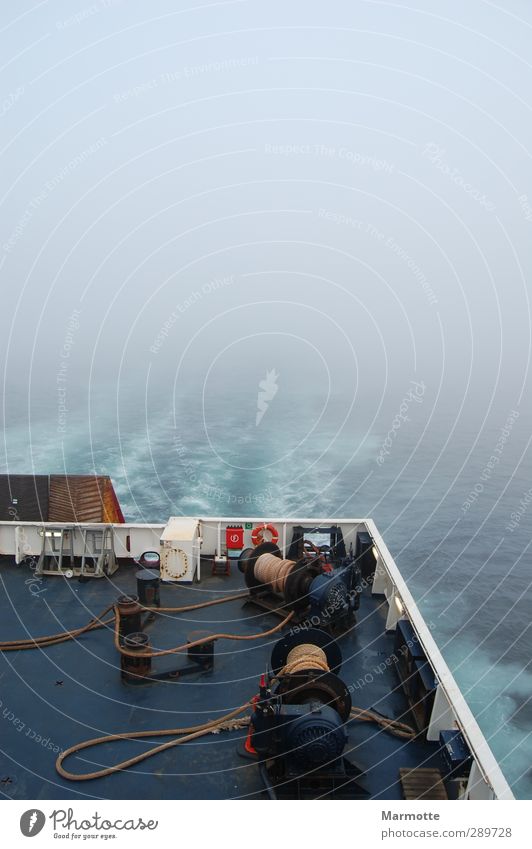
{"x":296,"y":731}
{"x":328,"y":599}
{"x":298,"y":725}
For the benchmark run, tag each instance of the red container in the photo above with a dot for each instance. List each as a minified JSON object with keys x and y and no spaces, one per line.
{"x":234,"y":537}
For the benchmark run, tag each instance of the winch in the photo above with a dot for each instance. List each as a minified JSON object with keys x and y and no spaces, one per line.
{"x":298,"y":725}
{"x":327,"y":599}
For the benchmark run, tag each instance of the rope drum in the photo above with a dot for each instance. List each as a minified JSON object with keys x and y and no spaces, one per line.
{"x":269,"y":569}
{"x":306,"y":656}
{"x":265,"y":570}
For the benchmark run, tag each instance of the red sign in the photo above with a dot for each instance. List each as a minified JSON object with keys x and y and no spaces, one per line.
{"x":234,"y":537}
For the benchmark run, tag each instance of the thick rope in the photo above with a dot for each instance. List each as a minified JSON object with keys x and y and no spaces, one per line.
{"x":224,"y":723}
{"x":399,"y":729}
{"x":306,"y":656}
{"x":52,"y":639}
{"x":271,"y":570}
{"x":200,"y":642}
{"x":98,"y":622}
{"x":197,"y":606}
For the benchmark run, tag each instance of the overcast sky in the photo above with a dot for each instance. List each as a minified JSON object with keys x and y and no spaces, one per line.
{"x":196,"y":193}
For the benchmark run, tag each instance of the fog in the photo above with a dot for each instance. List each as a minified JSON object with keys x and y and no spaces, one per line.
{"x":341,"y":192}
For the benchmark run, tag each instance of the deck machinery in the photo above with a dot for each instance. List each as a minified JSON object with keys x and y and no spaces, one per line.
{"x":310,"y":586}
{"x":298,"y":724}
{"x":340,"y":659}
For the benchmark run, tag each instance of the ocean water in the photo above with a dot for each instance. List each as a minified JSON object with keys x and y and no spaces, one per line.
{"x":458,"y":526}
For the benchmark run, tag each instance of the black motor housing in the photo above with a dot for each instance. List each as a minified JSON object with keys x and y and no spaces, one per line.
{"x":308,"y":736}
{"x":298,"y":727}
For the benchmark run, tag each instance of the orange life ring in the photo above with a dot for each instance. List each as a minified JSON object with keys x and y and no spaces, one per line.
{"x":256,"y":534}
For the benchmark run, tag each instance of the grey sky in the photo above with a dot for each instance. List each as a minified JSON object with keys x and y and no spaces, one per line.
{"x":355,"y":174}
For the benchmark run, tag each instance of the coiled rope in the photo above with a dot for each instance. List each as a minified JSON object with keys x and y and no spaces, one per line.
{"x":309,"y":656}
{"x":269,"y":569}
{"x":306,"y":656}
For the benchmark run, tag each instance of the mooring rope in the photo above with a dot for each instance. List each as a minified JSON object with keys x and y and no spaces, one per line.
{"x":229,"y":722}
{"x":200,"y":642}
{"x":99,"y":622}
{"x":306,"y":656}
{"x":271,"y":570}
{"x":224,"y":723}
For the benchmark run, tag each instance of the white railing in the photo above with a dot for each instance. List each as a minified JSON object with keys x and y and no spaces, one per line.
{"x":486,"y":780}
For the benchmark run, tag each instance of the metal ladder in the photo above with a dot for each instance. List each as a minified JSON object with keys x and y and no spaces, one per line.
{"x":95,"y":559}
{"x":98,"y":556}
{"x":56,"y":551}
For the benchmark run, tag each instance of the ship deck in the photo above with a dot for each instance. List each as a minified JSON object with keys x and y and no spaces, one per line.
{"x":53,"y":698}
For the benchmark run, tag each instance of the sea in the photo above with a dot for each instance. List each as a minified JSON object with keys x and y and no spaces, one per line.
{"x":451,"y":496}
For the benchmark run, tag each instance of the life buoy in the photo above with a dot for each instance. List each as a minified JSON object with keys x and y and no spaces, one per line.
{"x":257,"y":533}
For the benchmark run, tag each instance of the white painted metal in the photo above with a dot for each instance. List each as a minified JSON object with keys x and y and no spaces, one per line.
{"x":478,"y":786}
{"x":442,"y":717}
{"x":395,"y":610}
{"x":21,"y":544}
{"x":180,"y":549}
{"x":489,"y":782}
{"x":24,"y":539}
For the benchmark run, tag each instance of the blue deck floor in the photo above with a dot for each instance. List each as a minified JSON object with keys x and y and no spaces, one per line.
{"x":53,"y":698}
